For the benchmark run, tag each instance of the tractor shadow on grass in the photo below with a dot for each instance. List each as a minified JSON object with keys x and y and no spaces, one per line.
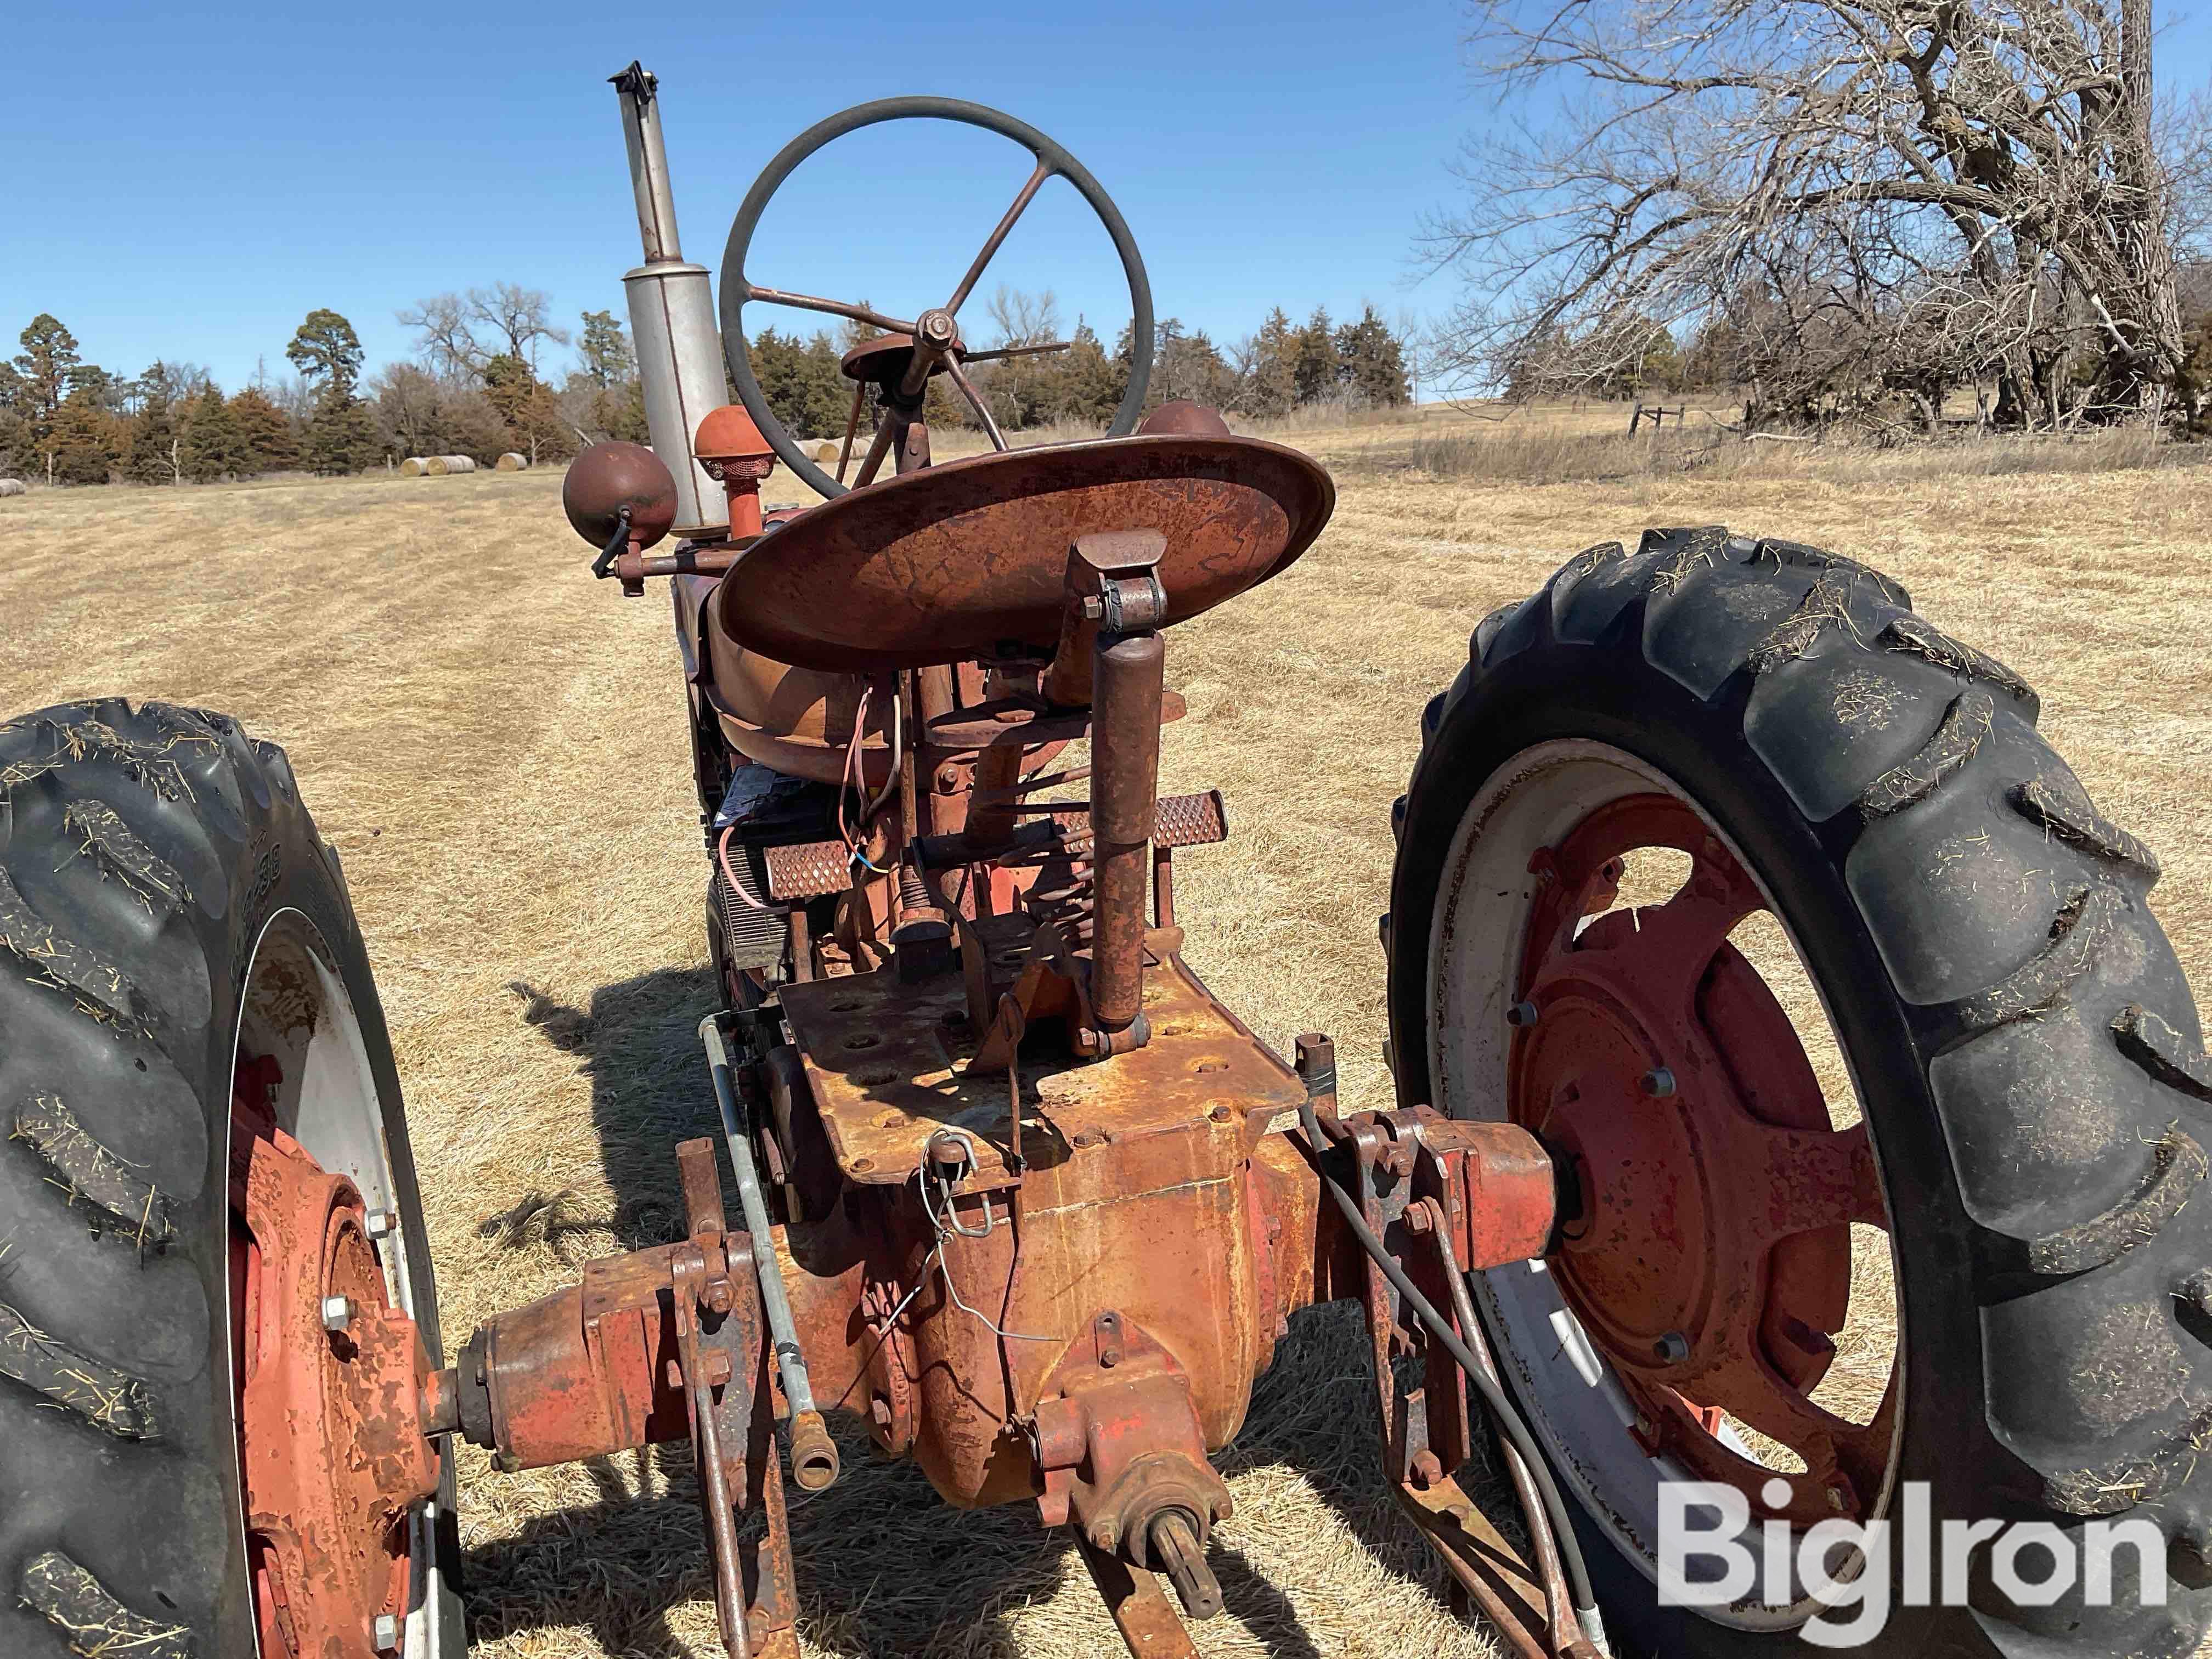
{"x":884,"y":1566}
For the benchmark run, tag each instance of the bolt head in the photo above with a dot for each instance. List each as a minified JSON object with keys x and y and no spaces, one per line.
{"x":382,"y":1224}
{"x":1419,"y":1221}
{"x":1836,"y":1499}
{"x":338,"y":1313}
{"x":1658,"y":1083}
{"x":386,"y":1631}
{"x":1671,"y":1349}
{"x":1522,"y":1014}
{"x":1102,"y":1536}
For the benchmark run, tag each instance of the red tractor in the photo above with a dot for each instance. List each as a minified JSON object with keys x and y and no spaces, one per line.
{"x":1016,"y":1196}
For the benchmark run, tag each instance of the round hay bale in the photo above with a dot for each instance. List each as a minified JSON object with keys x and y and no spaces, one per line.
{"x":512,"y":462}
{"x":413,"y":467}
{"x":825,"y":453}
{"x":14,"y":487}
{"x":439,"y":465}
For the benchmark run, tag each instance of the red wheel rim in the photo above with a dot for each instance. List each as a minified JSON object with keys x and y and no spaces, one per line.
{"x":331,"y":1450}
{"x":1711,"y":1260}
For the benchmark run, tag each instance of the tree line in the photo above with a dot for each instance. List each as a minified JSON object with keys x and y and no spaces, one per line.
{"x":476,"y":386}
{"x":1365,"y":363}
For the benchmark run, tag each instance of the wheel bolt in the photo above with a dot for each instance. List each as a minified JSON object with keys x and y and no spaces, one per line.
{"x":1835,"y":1498}
{"x":1658,"y":1083}
{"x":388,"y":1632}
{"x":338,"y":1313}
{"x":1522,"y":1013}
{"x":381,"y":1223}
{"x":1672,"y":1348}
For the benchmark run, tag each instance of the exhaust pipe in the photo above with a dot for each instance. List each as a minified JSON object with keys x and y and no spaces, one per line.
{"x":672,"y":318}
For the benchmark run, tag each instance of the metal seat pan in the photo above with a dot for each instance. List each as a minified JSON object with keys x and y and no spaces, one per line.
{"x":969,"y":558}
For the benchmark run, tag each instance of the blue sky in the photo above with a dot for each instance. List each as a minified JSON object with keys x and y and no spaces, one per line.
{"x":188,"y":182}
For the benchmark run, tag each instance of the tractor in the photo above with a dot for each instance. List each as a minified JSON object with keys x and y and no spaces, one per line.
{"x":998,"y":1183}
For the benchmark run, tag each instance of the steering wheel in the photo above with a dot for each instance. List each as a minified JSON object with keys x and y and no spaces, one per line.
{"x":935,"y":334}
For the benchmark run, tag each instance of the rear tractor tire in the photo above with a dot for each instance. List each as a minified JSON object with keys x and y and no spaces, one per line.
{"x":2030,"y":1161}
{"x":180,"y":963}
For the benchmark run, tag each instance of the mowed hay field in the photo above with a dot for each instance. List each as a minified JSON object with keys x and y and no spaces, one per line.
{"x":496,"y":744}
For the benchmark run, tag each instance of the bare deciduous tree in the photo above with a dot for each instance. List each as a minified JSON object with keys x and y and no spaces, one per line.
{"x":520,"y":317}
{"x":442,"y":325}
{"x":1877,"y":197}
{"x":459,"y":333}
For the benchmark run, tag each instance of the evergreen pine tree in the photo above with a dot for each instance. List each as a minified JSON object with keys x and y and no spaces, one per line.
{"x":85,"y":444}
{"x":341,"y":434}
{"x":214,"y":445}
{"x":154,"y":450}
{"x":1372,"y":363}
{"x":1271,"y":375}
{"x":266,"y":441}
{"x":1317,"y":371}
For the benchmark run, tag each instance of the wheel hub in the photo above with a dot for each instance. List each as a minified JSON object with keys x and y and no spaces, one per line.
{"x":331,"y":1378}
{"x":1711,"y":1261}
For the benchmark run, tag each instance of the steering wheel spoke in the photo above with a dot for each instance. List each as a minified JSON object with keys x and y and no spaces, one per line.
{"x":997,"y":352}
{"x":1043,"y":170}
{"x":975,"y":401}
{"x":777,"y":296}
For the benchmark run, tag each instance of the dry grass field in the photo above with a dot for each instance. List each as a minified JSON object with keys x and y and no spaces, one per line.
{"x":496,"y":744}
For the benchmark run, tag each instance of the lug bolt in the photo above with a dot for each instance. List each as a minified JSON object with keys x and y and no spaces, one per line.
{"x":382,"y":1224}
{"x":1658,"y":1083}
{"x":1102,"y":1536}
{"x":338,"y":1313}
{"x":1522,"y":1013}
{"x":386,"y":1632}
{"x":1672,"y":1348}
{"x":1835,"y":1498}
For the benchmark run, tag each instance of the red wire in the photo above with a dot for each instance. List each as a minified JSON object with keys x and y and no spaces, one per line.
{"x":730,"y":875}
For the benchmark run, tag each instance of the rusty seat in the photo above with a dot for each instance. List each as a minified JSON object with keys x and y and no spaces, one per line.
{"x":968,"y":559}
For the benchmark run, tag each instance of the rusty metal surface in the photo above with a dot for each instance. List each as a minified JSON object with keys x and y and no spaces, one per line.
{"x":888,"y":1069}
{"x":1119,"y":1444}
{"x":1184,"y":418}
{"x":1563,"y":1627}
{"x":1656,"y":1060}
{"x":1508,"y":1203}
{"x":959,"y":559}
{"x":1125,"y":769}
{"x":586,"y":1370}
{"x":609,"y":477}
{"x":813,"y":869}
{"x":331,"y":1447}
{"x":1141,"y":1610}
{"x":810,"y":869}
{"x":1487,"y":1566}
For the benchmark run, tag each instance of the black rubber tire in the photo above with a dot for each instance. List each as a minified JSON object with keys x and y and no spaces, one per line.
{"x":141,"y":852}
{"x":2029,"y":1053}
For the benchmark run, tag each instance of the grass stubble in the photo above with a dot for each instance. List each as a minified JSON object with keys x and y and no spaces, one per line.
{"x":495,"y":743}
